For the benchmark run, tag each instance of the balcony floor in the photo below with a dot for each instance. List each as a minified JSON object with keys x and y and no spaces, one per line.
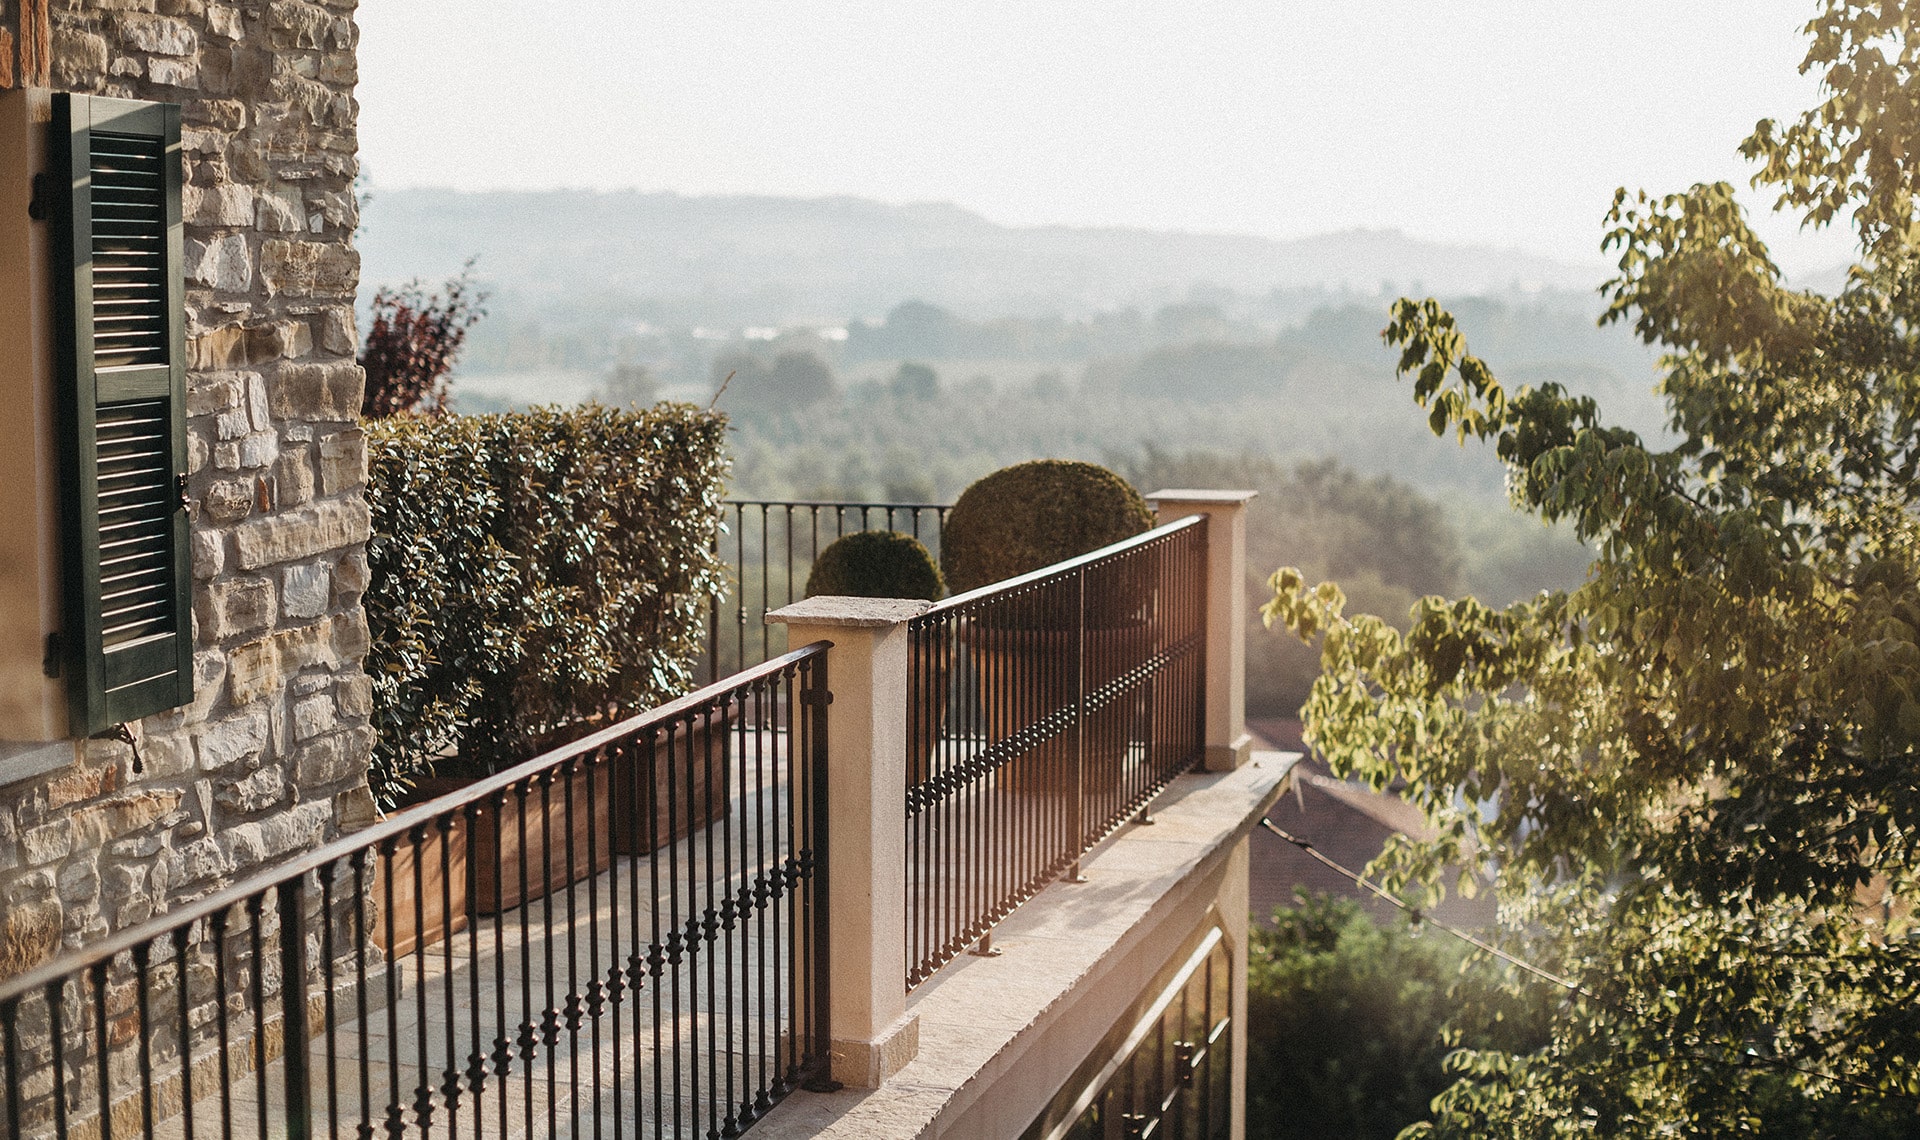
{"x":617,"y":1075}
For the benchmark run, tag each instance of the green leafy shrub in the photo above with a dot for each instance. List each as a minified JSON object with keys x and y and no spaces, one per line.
{"x":1349,"y":1021}
{"x":1031,"y":515}
{"x":529,"y":572}
{"x":875,"y":564}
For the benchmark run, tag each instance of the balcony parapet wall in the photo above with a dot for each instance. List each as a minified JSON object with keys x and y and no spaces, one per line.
{"x":999,"y":1037}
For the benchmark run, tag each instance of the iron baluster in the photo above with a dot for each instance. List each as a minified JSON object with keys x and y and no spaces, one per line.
{"x":396,"y":1123}
{"x":256,"y":944}
{"x":449,"y":1076}
{"x":143,"y":1022}
{"x":328,"y":1014}
{"x":102,"y":1049}
{"x":293,"y":1009}
{"x":56,"y":1018}
{"x":361,"y":945}
{"x":422,"y":1092}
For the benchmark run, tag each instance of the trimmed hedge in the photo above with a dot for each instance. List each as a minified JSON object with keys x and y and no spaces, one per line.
{"x":875,"y":564}
{"x":533,"y":572}
{"x":1022,"y":518}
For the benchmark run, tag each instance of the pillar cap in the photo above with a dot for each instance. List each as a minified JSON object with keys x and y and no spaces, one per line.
{"x":1189,"y":496}
{"x":857,"y":613}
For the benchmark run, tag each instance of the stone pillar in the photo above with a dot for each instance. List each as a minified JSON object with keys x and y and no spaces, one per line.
{"x":1228,"y":743}
{"x":872,"y":1035}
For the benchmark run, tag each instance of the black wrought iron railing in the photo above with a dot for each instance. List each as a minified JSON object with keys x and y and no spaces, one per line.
{"x":1171,"y":1071}
{"x":623,"y":937}
{"x":769,"y":548}
{"x":1043,"y":712}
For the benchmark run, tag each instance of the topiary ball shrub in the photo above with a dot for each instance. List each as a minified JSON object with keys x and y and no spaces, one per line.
{"x":1031,"y":515}
{"x":875,"y":564}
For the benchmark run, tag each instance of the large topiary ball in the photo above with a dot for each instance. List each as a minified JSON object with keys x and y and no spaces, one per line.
{"x":875,"y":564}
{"x":1031,"y":515}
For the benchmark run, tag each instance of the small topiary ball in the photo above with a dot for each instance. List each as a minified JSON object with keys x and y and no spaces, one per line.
{"x":875,"y":564}
{"x":1035,"y":514}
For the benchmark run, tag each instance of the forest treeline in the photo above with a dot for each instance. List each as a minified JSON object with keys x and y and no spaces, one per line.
{"x":914,"y":407}
{"x":1215,"y":344}
{"x":1293,"y":397}
{"x":1388,"y":541}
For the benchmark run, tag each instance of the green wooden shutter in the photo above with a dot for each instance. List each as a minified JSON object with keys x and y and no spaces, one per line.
{"x":121,"y":370}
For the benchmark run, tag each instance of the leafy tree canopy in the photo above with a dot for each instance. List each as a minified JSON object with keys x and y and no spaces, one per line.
{"x":794,"y":379}
{"x":412,"y":342}
{"x":914,"y":381}
{"x":1697,"y":772}
{"x":629,"y":385}
{"x":1352,"y":1019}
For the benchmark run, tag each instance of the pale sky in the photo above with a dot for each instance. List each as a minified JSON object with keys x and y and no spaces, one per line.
{"x":1504,"y":122}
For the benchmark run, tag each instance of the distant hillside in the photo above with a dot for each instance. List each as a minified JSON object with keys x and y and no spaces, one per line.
{"x":829,"y":259}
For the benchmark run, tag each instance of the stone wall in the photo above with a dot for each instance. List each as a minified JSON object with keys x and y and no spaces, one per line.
{"x":271,"y":757}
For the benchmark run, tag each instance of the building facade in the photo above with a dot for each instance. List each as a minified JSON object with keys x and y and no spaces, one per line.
{"x":99,"y":833}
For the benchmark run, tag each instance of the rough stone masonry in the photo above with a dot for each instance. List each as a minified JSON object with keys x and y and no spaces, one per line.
{"x":271,"y":757}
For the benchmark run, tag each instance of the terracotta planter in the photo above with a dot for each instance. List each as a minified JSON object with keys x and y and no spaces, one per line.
{"x":699,"y":760}
{"x":1029,"y":672}
{"x":492,"y":840}
{"x":398,"y":932}
{"x":535,"y":829}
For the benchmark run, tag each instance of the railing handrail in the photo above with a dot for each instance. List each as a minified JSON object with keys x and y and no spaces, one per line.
{"x":1032,"y":577}
{"x":394,"y":827}
{"x":843,"y":504}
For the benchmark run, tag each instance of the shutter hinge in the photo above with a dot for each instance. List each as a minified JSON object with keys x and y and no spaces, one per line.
{"x":125,"y":736}
{"x":180,"y":488}
{"x":46,"y":194}
{"x":50,"y":664}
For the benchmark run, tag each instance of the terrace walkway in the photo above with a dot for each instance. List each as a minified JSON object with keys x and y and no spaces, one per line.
{"x":681,"y":1056}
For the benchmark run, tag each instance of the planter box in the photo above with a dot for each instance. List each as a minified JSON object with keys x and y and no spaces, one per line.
{"x":694,"y":801}
{"x":535,"y":830}
{"x":399,"y":933}
{"x":491,"y":841}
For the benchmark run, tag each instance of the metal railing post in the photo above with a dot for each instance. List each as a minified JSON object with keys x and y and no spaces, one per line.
{"x":295,"y":1033}
{"x":1079,"y":790}
{"x":819,"y":697}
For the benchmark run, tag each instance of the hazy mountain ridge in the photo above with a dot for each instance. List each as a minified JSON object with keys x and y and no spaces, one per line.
{"x":826,"y":259}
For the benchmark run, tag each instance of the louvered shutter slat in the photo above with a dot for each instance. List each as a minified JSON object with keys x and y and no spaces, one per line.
{"x":129,"y":249}
{"x":136,"y":504}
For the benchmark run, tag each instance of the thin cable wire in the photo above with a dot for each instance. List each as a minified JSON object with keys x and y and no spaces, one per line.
{"x":1462,"y":935}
